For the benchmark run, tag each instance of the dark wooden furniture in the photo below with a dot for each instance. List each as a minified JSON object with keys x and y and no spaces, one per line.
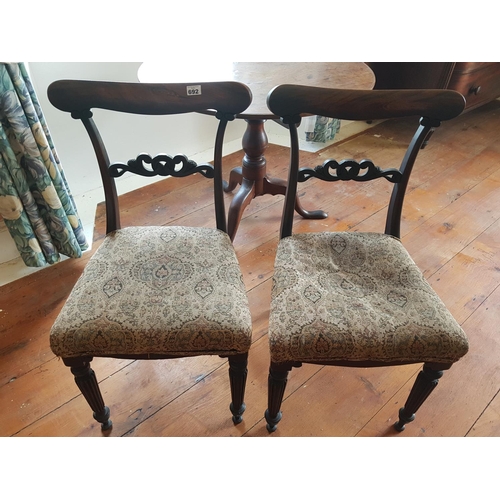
{"x":155,"y":292}
{"x":357,"y":298}
{"x":478,"y":82}
{"x":261,"y":78}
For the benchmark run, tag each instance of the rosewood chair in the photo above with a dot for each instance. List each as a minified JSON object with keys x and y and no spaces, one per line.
{"x":155,"y":292}
{"x":357,"y":298}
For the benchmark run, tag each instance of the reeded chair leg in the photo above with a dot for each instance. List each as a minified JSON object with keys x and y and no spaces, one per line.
{"x":237,"y":380}
{"x":278,"y":376}
{"x":425,"y":383}
{"x":87,"y":383}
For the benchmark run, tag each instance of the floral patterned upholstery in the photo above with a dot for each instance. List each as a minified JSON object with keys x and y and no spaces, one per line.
{"x":157,"y":290}
{"x":356,"y":297}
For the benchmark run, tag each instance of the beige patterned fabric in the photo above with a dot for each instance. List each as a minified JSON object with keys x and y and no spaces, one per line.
{"x":157,"y":290}
{"x":357,"y":297}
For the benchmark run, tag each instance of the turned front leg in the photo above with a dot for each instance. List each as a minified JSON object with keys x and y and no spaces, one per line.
{"x":87,"y":383}
{"x":237,"y":379}
{"x":425,"y":383}
{"x":278,"y":376}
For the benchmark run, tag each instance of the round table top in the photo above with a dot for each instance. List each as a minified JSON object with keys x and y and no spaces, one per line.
{"x":262,"y":77}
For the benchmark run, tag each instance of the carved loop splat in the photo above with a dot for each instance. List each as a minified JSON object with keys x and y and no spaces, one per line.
{"x":349,"y":170}
{"x":164,"y":165}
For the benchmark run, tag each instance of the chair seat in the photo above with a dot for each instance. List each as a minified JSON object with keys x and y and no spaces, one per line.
{"x":172,"y":291}
{"x":356,"y":297}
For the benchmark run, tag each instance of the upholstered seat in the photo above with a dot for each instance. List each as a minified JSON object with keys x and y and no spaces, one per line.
{"x":356,"y":297}
{"x":136,"y":297}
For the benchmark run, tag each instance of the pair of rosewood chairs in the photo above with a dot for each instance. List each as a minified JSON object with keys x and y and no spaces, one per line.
{"x":338,"y":298}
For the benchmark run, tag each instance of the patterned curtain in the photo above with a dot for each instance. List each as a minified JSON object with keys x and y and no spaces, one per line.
{"x":320,"y":128}
{"x":35,"y":201}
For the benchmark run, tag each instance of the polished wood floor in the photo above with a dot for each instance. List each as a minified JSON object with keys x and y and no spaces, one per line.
{"x":451,"y":228}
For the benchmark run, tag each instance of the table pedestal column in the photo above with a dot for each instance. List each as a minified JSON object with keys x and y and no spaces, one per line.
{"x":253,"y":178}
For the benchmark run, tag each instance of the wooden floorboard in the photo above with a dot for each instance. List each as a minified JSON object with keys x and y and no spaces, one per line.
{"x":451,"y":227}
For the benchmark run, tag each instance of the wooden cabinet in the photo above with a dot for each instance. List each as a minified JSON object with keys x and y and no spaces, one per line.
{"x":478,"y":82}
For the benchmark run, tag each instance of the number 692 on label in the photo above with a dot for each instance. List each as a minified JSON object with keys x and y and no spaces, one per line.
{"x":193,"y":90}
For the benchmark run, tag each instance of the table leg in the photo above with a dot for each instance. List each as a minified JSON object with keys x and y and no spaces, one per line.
{"x":253,"y":179}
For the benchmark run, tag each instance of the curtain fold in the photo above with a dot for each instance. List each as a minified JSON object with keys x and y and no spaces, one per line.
{"x":35,"y":200}
{"x":320,"y":128}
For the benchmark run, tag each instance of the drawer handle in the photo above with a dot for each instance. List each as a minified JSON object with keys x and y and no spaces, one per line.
{"x":475,"y":90}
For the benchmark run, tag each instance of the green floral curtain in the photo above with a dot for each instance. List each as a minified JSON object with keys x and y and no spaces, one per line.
{"x":321,"y":128}
{"x":35,"y":200}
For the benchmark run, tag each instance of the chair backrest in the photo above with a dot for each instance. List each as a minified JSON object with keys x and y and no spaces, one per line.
{"x":290,"y":102}
{"x":226,"y":99}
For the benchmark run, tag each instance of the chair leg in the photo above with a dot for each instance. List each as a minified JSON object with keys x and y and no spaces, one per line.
{"x":425,"y":383}
{"x":237,"y":380}
{"x":278,"y":375}
{"x":87,"y":383}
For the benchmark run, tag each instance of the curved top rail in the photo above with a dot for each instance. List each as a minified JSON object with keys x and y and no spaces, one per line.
{"x":76,"y":96}
{"x":289,"y":100}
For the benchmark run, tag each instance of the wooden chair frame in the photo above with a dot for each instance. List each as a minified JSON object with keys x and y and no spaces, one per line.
{"x":290,"y":102}
{"x":227,"y":99}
